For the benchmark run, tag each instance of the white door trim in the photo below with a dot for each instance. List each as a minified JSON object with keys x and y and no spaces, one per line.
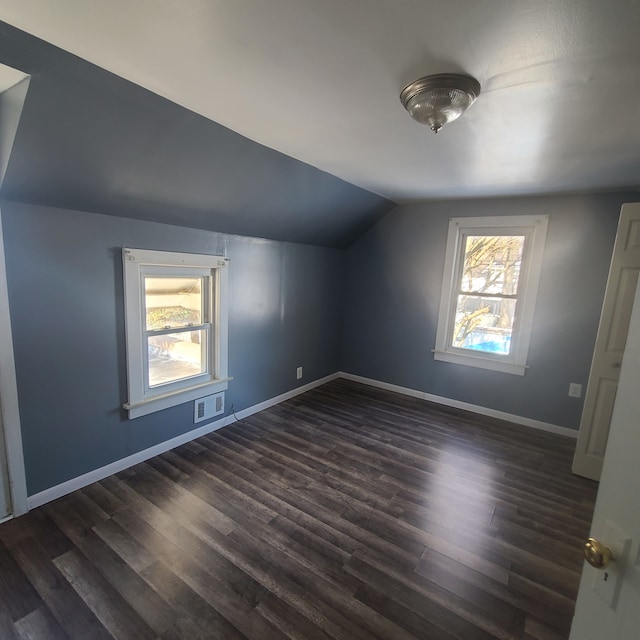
{"x":609,"y":346}
{"x":9,"y":397}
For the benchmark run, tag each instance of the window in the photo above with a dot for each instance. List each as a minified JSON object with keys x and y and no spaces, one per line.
{"x":176,"y":327}
{"x":492,"y":268}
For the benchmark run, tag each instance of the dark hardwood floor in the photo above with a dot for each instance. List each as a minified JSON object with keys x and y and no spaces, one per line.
{"x":347,"y":512}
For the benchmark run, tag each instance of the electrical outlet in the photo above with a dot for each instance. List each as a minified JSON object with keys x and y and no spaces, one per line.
{"x":575,"y":390}
{"x":299,"y":373}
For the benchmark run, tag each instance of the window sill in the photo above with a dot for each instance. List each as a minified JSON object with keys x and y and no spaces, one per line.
{"x":480,"y":362}
{"x":160,"y":402}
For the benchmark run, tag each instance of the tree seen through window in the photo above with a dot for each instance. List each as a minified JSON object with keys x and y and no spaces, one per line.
{"x":487,"y":292}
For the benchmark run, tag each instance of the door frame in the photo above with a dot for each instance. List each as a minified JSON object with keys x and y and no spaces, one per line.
{"x":9,"y":398}
{"x":586,"y":462}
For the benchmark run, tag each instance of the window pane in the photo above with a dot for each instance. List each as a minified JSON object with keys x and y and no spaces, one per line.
{"x":175,"y":356}
{"x":484,"y":324}
{"x":173,"y":302}
{"x":492,"y":264}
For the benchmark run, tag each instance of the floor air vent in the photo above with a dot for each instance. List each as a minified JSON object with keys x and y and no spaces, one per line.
{"x":208,"y":407}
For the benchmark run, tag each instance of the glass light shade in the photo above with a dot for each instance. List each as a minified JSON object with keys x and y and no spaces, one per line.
{"x":439,"y":99}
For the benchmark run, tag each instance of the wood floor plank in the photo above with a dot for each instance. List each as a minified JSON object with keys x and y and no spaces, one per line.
{"x":271,"y":468}
{"x":107,"y":604}
{"x":310,"y":550}
{"x":453,"y":619}
{"x":536,"y":630}
{"x":103,"y":498}
{"x":149,"y":606}
{"x":347,"y":513}
{"x":198,"y":618}
{"x":231,"y":594}
{"x":270,"y":578}
{"x":264,"y":493}
{"x":337,"y":603}
{"x":66,"y":606}
{"x":231,"y":605}
{"x":461,"y":579}
{"x":295,"y":504}
{"x":289,"y":620}
{"x":227,"y":498}
{"x":420,"y":626}
{"x":186,"y":504}
{"x":18,"y":597}
{"x":136,"y":555}
{"x":15,"y":531}
{"x":134,"y":500}
{"x":7,"y":628}
{"x":40,"y":624}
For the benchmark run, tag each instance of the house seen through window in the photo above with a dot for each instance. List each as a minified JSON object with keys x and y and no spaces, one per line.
{"x":176,"y":328}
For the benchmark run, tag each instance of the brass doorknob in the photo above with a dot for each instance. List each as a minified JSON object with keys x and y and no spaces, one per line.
{"x":597,"y":554}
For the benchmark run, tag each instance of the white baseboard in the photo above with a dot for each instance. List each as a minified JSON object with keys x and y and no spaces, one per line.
{"x":457,"y":404}
{"x":286,"y":396}
{"x":74,"y":484}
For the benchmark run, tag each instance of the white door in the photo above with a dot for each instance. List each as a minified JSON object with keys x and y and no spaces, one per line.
{"x":610,"y":345}
{"x":616,"y":521}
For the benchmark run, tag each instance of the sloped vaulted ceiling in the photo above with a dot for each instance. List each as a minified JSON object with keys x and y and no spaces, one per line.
{"x":92,"y":141}
{"x":319,"y":81}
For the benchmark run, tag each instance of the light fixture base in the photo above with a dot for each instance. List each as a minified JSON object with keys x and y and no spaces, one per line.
{"x":438,"y":99}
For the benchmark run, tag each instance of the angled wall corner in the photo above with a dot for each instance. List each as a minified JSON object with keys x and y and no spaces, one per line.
{"x":14,"y":85}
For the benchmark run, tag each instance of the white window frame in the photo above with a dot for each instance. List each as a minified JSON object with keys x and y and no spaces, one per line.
{"x":137,"y":263}
{"x":534,"y":228}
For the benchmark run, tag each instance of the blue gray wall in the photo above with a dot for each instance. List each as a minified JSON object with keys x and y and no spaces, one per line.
{"x":393,"y":293}
{"x":371,"y":310}
{"x":65,"y":287}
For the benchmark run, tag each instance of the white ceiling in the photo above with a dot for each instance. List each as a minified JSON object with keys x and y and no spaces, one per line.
{"x":319,"y":80}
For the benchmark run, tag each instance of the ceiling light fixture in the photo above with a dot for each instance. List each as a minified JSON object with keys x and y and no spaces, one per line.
{"x":441,"y":98}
